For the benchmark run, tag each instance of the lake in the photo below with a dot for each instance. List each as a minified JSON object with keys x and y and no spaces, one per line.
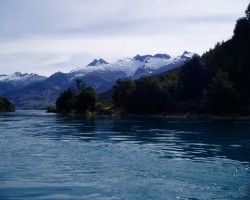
{"x":50,"y":156}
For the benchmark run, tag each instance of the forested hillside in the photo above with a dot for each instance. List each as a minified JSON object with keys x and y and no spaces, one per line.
{"x":218,"y":82}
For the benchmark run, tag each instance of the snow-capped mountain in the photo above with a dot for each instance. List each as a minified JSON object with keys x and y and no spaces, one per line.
{"x":19,"y":79}
{"x":159,"y":63}
{"x":31,"y":91}
{"x":140,"y":65}
{"x":186,"y":55}
{"x":96,"y":62}
{"x":102,"y":75}
{"x":126,"y":65}
{"x":16,"y":81}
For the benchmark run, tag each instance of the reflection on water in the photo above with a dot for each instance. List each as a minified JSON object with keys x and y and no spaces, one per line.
{"x":183,"y":138}
{"x":49,"y":156}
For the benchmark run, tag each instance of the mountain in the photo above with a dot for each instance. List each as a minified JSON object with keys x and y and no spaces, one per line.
{"x":40,"y":94}
{"x":103,"y":80}
{"x":31,"y":91}
{"x":140,"y":65}
{"x":17,"y":80}
{"x":96,"y":62}
{"x":20,"y":80}
{"x":102,"y":75}
{"x":159,"y":63}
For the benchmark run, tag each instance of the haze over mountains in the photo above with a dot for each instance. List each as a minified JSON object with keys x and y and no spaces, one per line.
{"x":32,"y":91}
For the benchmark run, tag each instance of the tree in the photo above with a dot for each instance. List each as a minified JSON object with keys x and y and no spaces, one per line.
{"x":241,"y":30}
{"x":86,"y":100}
{"x":221,"y":95}
{"x":144,"y":96}
{"x":80,"y":85}
{"x":149,"y":97}
{"x":248,"y":13}
{"x":82,"y":100}
{"x":65,"y":102}
{"x":192,"y":79}
{"x":6,"y":105}
{"x":123,"y":91}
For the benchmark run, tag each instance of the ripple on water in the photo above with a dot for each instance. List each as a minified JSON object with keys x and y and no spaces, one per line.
{"x":61,"y":157}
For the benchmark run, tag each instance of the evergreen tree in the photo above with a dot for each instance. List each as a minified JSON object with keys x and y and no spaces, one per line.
{"x":86,"y":100}
{"x":123,"y":91}
{"x":248,"y":13}
{"x":65,"y":102}
{"x":149,"y":97}
{"x":192,"y":79}
{"x":6,"y":105}
{"x":221,"y":94}
{"x":241,"y":29}
{"x":83,"y":100}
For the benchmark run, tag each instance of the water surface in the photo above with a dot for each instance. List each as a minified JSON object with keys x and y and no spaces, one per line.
{"x":49,"y":156}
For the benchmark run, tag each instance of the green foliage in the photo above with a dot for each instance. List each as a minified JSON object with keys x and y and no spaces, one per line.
{"x":123,"y":91}
{"x":149,"y":96}
{"x":144,"y":96}
{"x":192,"y":79}
{"x":221,"y":95}
{"x":6,"y":105}
{"x":86,"y":100}
{"x":65,"y":102}
{"x":80,"y":100}
{"x":240,"y":29}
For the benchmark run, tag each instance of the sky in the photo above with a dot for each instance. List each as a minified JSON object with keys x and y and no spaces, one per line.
{"x":47,"y":36}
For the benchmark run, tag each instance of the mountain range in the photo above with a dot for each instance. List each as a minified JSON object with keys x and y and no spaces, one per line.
{"x":32,"y":91}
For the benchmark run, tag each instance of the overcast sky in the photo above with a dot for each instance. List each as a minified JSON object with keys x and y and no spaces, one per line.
{"x":46,"y":36}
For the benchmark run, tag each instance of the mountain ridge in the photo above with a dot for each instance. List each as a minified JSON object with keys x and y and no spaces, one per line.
{"x":100,"y":74}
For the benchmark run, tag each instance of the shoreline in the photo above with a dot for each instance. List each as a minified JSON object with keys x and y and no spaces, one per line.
{"x":168,"y":116}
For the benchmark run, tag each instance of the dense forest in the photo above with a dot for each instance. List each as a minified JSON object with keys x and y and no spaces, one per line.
{"x":217,"y":83}
{"x":6,"y":106}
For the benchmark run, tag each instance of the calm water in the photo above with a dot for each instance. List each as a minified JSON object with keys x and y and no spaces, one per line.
{"x":48,"y":156}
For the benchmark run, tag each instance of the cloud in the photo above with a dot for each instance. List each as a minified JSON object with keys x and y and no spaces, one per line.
{"x":50,"y":32}
{"x":31,"y":62}
{"x":30,"y":18}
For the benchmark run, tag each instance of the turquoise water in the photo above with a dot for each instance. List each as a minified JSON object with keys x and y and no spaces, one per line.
{"x":49,"y":156}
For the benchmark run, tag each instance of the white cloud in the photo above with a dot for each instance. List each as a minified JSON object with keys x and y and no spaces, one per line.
{"x":51,"y":32}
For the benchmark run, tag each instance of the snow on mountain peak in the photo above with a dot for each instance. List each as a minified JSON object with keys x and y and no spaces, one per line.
{"x":3,"y":76}
{"x":187,"y":54}
{"x":96,"y":62}
{"x":129,"y":66}
{"x":164,"y":56}
{"x":18,"y":74}
{"x":142,"y":58}
{"x":145,"y":58}
{"x":20,"y":78}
